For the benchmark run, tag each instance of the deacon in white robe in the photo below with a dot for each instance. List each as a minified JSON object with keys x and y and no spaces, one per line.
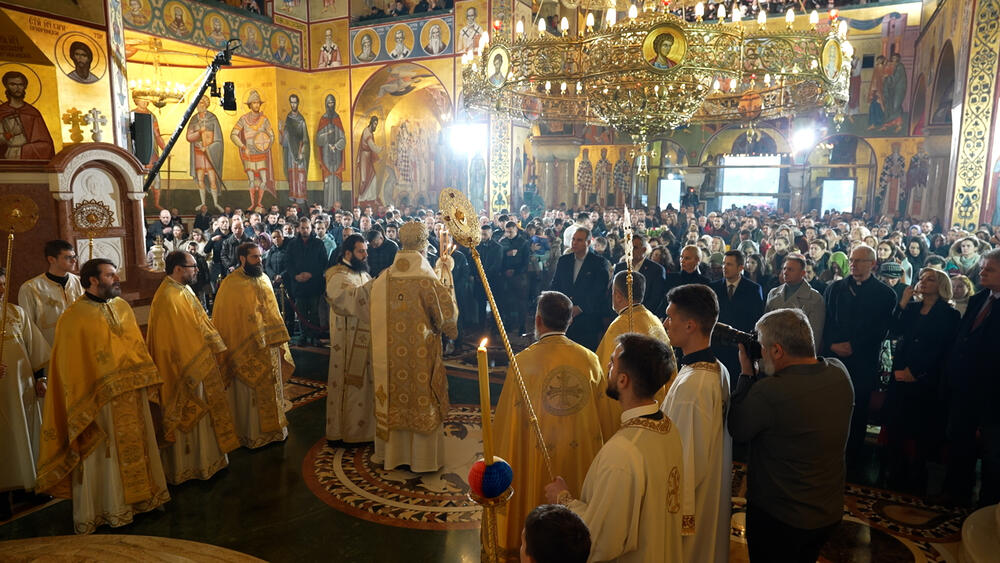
{"x":631,"y":497}
{"x":350,"y":400}
{"x":45,"y":296}
{"x":25,"y":351}
{"x":697,"y":402}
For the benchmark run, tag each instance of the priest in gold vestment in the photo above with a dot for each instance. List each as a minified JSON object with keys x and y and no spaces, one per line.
{"x":45,"y":296}
{"x":412,"y":306}
{"x":350,"y":401}
{"x":98,"y":440}
{"x":642,"y":322}
{"x":196,"y":425}
{"x":256,"y":359}
{"x":564,"y":382}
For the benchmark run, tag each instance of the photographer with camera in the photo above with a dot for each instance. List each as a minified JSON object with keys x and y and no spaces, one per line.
{"x":796,"y":414}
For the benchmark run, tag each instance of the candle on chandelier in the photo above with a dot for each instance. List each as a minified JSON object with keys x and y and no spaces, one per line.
{"x":814,"y":19}
{"x":842,"y":29}
{"x":548,"y":87}
{"x":484,"y":40}
{"x":519,"y":28}
{"x":790,"y":17}
{"x":834,"y":14}
{"x":611,"y":16}
{"x":541,"y":26}
{"x":590,"y":21}
{"x":761,"y":18}
{"x":721,"y":13}
{"x":633,"y":12}
{"x":562,"y":88}
{"x":737,"y":13}
{"x":699,"y":10}
{"x":579,"y":87}
{"x":497,"y":24}
{"x":564,"y":25}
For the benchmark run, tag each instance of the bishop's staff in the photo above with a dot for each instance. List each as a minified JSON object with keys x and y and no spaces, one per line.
{"x":18,"y":214}
{"x":460,"y":217}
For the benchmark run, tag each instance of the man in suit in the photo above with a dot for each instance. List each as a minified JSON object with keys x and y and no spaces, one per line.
{"x":656,"y":276}
{"x":514,"y":272}
{"x":796,"y":293}
{"x":741,"y":304}
{"x":974,"y":391}
{"x":690,"y":260}
{"x":583,"y":276}
{"x":491,"y":256}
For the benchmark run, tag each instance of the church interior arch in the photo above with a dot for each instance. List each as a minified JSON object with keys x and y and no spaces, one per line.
{"x":943,"y":96}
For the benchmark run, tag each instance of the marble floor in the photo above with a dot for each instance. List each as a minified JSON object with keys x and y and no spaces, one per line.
{"x":303,"y":500}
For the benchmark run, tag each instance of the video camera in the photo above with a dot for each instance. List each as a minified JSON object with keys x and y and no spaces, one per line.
{"x":728,"y":336}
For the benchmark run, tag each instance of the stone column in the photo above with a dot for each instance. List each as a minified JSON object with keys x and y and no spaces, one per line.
{"x":973,"y":147}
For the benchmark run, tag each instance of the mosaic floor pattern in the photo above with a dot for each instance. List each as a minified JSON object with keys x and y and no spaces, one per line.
{"x":113,"y":548}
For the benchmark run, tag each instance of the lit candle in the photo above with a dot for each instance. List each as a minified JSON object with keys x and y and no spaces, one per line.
{"x":842,"y":29}
{"x":633,"y":12}
{"x":699,"y":10}
{"x":484,"y":402}
{"x":611,"y":17}
{"x":790,"y":17}
{"x":548,"y":86}
{"x":761,"y":18}
{"x":590,"y":21}
{"x":484,"y":40}
{"x":519,"y":28}
{"x":721,"y":13}
{"x":814,"y":18}
{"x":564,"y":25}
{"x":737,"y":13}
{"x":562,"y":88}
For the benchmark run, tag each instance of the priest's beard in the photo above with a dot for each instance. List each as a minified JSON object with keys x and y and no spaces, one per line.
{"x":253,"y":270}
{"x":359,"y":265}
{"x":765,"y":366}
{"x":612,"y":391}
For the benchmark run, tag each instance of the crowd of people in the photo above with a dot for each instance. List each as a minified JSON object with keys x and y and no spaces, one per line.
{"x":661,"y":388}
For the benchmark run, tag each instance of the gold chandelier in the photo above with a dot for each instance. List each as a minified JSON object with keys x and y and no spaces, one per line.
{"x":157,"y":91}
{"x":653,"y":71}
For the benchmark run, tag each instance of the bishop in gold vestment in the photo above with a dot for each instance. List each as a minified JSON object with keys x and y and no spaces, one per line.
{"x":564,"y":383}
{"x":196,"y":423}
{"x":642,"y":322}
{"x":412,"y":306}
{"x":350,"y":401}
{"x":256,"y":357}
{"x":98,"y":440}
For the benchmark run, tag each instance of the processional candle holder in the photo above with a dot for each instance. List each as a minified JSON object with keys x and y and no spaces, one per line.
{"x":18,"y":214}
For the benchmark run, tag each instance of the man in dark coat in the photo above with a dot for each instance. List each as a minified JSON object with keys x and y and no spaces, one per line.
{"x":858,"y":313}
{"x":974,"y":386}
{"x":304,"y":266}
{"x":514,"y":273}
{"x":491,"y":256}
{"x":381,"y":252}
{"x":690,"y":261}
{"x":583,"y":276}
{"x":231,"y":243}
{"x":656,"y":276}
{"x":741,"y":304}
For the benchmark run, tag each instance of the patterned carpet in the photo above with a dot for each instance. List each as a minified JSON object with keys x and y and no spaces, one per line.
{"x":111,"y":547}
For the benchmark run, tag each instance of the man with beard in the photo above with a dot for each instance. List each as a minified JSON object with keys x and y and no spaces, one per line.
{"x":798,"y":407}
{"x":434,"y":44}
{"x":98,"y":441}
{"x":178,"y":26}
{"x":23,"y":133}
{"x":565,"y":384}
{"x":295,"y":149}
{"x":196,"y":423}
{"x":306,"y":261}
{"x":631,"y":496}
{"x":256,"y":362}
{"x":350,"y":406}
{"x":82,"y":56}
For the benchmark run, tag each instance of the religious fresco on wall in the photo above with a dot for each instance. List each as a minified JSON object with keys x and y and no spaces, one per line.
{"x":206,"y":26}
{"x":329,"y":44}
{"x":320,"y":10}
{"x":298,"y":9}
{"x":400,"y":150}
{"x":24,"y":134}
{"x":401,"y":40}
{"x":79,"y":78}
{"x":91,"y":12}
{"x":471,"y":21}
{"x":521,"y":168}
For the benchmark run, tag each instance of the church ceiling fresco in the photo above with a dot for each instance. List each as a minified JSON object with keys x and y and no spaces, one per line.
{"x":208,"y":27}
